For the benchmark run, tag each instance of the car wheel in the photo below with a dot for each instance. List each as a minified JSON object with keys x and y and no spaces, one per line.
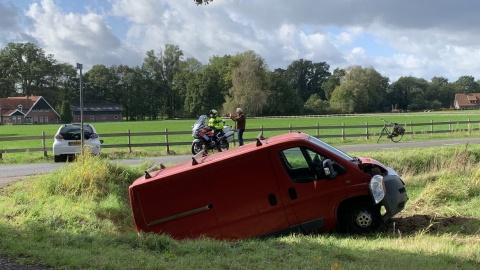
{"x":60,"y":158}
{"x":361,"y":218}
{"x":197,"y":147}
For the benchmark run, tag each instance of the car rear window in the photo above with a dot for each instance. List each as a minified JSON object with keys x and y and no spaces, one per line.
{"x":74,"y":132}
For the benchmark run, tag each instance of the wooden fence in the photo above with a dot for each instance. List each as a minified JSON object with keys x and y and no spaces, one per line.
{"x":323,"y":132}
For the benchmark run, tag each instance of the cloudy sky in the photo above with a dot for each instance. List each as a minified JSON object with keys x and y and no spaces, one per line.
{"x":421,"y":38}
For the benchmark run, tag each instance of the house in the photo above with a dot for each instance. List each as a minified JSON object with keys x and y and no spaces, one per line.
{"x":27,"y":110}
{"x":467,"y":101}
{"x":97,"y":112}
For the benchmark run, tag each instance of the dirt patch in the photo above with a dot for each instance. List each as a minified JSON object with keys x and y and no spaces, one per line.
{"x":411,"y":224}
{"x":5,"y":181}
{"x":11,"y":265}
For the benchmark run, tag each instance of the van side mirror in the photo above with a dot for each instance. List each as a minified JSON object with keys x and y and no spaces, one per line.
{"x":328,"y":169}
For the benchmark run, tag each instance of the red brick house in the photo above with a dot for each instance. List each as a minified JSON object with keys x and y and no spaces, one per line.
{"x":467,"y":101}
{"x":27,"y":110}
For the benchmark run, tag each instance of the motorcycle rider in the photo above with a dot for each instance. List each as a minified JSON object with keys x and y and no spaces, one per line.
{"x":216,"y":123}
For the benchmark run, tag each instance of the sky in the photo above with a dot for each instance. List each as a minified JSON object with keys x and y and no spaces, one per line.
{"x":420,"y":38}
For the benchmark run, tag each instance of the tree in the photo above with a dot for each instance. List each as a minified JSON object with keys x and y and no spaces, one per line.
{"x":316,"y":105}
{"x":161,"y":70}
{"x":201,"y":94}
{"x":7,"y":82}
{"x":466,"y":85}
{"x":182,"y":79}
{"x":249,"y":85}
{"x":283,"y":100}
{"x":440,"y":93}
{"x":362,"y":90}
{"x":306,"y":77}
{"x":406,"y":93}
{"x":333,"y":81}
{"x":29,"y":67}
{"x":66,"y":112}
{"x":100,"y":83}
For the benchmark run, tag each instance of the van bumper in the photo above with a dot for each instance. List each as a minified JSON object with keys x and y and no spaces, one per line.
{"x":396,"y":196}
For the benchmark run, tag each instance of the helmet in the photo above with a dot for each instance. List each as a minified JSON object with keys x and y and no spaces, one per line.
{"x":213,"y":111}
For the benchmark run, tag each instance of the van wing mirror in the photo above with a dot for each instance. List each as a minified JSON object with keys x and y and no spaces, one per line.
{"x":328,"y":169}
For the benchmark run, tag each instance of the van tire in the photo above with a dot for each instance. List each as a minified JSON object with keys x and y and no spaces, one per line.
{"x":361,"y":218}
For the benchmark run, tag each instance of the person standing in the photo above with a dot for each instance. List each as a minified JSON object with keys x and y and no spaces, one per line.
{"x":240,"y":123}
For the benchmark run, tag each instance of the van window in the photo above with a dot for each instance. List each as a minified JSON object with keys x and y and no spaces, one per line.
{"x":302,"y":165}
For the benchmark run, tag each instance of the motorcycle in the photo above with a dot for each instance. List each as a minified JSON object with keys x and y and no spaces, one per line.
{"x":205,"y":139}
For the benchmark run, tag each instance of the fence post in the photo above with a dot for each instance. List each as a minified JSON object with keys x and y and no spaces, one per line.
{"x":43,"y":144}
{"x":431,"y":127}
{"x":166,"y":140}
{"x":318,"y":130}
{"x":450,"y":125}
{"x":411,"y":130}
{"x":366,"y":130}
{"x":129,"y":142}
{"x":290,"y":127}
{"x":469,"y":127}
{"x":343,"y":131}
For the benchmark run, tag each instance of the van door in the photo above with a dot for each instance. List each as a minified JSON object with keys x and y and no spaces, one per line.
{"x":247,"y":198}
{"x":306,"y":188}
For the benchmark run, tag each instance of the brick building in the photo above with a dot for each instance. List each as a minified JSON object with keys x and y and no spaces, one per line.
{"x":97,"y":112}
{"x":27,"y":110}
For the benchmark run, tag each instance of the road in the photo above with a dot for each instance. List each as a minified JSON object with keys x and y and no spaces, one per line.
{"x":10,"y":173}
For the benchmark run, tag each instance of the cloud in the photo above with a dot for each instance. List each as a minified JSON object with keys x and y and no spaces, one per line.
{"x":398,"y":38}
{"x":74,"y":37}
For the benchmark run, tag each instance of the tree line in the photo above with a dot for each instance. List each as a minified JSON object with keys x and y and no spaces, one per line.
{"x":168,"y":86}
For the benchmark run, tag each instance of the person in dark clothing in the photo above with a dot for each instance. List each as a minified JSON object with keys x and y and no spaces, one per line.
{"x":240,"y":123}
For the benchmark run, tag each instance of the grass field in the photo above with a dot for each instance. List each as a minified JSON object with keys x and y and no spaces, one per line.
{"x":324,"y":124}
{"x":76,"y":219}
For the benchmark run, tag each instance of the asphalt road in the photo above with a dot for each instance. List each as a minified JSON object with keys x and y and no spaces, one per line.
{"x":10,"y":173}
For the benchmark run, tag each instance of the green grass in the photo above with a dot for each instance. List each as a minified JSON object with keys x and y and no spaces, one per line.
{"x":79,"y":218}
{"x":294,"y":124}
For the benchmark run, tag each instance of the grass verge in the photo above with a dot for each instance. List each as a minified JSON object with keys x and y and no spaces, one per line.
{"x":79,"y":218}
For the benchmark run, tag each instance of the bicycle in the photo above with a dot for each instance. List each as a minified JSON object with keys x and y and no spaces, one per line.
{"x":393,"y":131}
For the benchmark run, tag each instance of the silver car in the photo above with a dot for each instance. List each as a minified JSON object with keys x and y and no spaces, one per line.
{"x":68,"y":141}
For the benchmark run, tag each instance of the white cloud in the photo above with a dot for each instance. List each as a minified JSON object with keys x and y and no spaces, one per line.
{"x":397,"y":38}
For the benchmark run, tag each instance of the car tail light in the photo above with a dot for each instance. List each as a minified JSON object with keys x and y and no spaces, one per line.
{"x":59,"y":137}
{"x":93,"y":136}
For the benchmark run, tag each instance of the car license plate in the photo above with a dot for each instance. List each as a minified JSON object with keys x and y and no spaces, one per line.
{"x":74,"y":143}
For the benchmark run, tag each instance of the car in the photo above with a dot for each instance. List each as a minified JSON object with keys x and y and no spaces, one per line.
{"x":67,"y":141}
{"x":292,"y":182}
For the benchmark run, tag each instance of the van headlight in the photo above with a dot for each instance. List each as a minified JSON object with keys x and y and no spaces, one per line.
{"x":377,"y":188}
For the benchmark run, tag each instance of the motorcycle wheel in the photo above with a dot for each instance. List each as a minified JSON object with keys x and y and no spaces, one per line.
{"x":224,"y":145}
{"x":197,"y":147}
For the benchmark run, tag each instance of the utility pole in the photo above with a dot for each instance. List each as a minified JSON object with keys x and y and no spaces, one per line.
{"x":80,"y":66}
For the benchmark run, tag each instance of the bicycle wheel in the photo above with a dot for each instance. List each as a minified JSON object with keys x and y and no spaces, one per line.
{"x":383,"y":132}
{"x":396,"y":138}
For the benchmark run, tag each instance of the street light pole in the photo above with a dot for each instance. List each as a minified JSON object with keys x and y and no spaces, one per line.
{"x":80,"y":66}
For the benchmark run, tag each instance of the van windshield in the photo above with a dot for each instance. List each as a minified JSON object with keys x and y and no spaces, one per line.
{"x":330,"y":148}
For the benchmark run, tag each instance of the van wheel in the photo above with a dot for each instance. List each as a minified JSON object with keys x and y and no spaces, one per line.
{"x":361,"y":218}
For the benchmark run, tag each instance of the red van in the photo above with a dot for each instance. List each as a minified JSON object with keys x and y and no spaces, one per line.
{"x":287,"y":183}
